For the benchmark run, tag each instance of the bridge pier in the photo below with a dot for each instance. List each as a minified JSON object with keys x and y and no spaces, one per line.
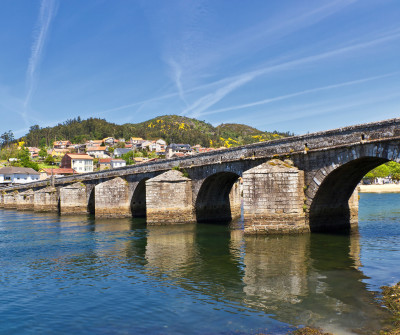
{"x":73,"y":199}
{"x":9,"y":200}
{"x":169,"y":199}
{"x":25,"y":200}
{"x":112,"y":199}
{"x":273,"y":199}
{"x":46,"y":200}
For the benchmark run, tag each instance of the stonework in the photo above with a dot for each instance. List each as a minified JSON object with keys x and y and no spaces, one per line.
{"x":112,"y":199}
{"x":314,"y":195}
{"x":25,"y":200}
{"x":10,"y":200}
{"x":2,"y":199}
{"x":273,"y":196}
{"x":46,"y":200}
{"x":169,"y":199}
{"x":73,"y":199}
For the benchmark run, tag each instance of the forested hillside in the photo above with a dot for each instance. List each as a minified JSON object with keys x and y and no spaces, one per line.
{"x":172,"y":128}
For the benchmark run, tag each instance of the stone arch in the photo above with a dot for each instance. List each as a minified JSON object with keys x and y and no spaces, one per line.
{"x":332,"y":206}
{"x":138,"y":201}
{"x":218,"y":199}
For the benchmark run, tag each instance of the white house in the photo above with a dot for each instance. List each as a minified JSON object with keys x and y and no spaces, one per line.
{"x":18,"y":175}
{"x":115,"y":163}
{"x":81,"y":163}
{"x":97,"y":152}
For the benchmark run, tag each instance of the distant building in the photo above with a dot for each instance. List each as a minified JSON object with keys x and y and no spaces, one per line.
{"x":81,"y":163}
{"x":58,"y":152}
{"x":61,"y":144}
{"x":97,"y":152}
{"x":173,"y":149}
{"x":110,"y":141}
{"x":118,"y":152}
{"x":116,"y":163}
{"x":93,"y":143}
{"x":46,"y":173}
{"x":18,"y":175}
{"x":33,"y":151}
{"x":105,"y":164}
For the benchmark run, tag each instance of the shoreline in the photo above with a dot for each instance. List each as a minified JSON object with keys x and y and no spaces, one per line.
{"x":385,"y":188}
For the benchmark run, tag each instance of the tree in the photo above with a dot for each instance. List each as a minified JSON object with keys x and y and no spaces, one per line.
{"x":6,"y":138}
{"x":43,"y":152}
{"x":128,"y":158}
{"x":49,"y":160}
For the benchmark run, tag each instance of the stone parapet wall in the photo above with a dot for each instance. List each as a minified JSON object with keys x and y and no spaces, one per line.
{"x":73,"y":199}
{"x":46,"y":200}
{"x":112,"y":199}
{"x":273,"y":199}
{"x":169,"y":199}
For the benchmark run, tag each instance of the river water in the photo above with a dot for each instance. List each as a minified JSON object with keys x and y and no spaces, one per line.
{"x":77,"y":275}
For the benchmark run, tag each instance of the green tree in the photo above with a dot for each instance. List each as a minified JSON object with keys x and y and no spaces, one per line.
{"x":43,"y":152}
{"x":128,"y":158}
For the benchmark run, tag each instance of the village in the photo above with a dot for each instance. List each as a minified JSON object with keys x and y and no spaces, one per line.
{"x":65,"y":158}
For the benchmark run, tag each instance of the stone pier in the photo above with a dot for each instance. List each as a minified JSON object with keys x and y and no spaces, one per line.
{"x":112,"y":199}
{"x":273,"y":199}
{"x":25,"y":200}
{"x":169,"y":199}
{"x":9,"y":200}
{"x":2,"y":199}
{"x":73,"y":199}
{"x":46,"y":200}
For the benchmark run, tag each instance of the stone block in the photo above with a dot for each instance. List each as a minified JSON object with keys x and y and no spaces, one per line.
{"x":46,"y":200}
{"x":25,"y":200}
{"x":73,"y":199}
{"x":169,"y":199}
{"x":9,"y":200}
{"x":112,"y":199}
{"x":273,"y":199}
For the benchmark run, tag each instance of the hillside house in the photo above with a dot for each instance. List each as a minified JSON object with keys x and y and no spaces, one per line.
{"x":58,"y":152}
{"x":104,"y":164}
{"x":173,"y":149}
{"x":97,"y":152}
{"x":17,"y":175}
{"x":61,"y":144}
{"x":116,"y":163}
{"x":46,"y":173}
{"x":81,"y":163}
{"x":118,"y":152}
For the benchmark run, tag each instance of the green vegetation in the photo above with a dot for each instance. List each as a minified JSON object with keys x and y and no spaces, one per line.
{"x":391,"y":299}
{"x":390,"y":169}
{"x":172,"y":128}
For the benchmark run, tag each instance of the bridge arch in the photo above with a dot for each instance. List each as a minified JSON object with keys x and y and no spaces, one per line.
{"x":218,"y":199}
{"x":138,"y":201}
{"x":333,"y":202}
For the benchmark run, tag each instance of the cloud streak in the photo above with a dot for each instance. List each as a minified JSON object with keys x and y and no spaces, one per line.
{"x":203,"y":103}
{"x":46,"y":15}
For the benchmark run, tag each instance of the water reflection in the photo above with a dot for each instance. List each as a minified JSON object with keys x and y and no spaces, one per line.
{"x":311,"y":279}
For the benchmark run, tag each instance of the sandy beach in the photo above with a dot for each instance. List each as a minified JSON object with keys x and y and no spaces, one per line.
{"x":385,"y":188}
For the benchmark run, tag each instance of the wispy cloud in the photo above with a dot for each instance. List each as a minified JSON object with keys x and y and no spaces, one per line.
{"x":296,"y":94}
{"x":46,"y":14}
{"x":202,"y":104}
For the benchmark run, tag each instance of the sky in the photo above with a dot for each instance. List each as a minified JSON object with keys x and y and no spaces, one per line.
{"x":292,"y":65}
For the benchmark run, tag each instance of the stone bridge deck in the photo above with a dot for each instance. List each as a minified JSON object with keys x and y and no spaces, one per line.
{"x":314,"y":187}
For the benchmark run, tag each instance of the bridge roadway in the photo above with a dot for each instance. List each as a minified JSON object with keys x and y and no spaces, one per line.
{"x":291,"y":185}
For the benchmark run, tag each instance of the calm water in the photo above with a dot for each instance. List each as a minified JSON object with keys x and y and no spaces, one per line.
{"x":74,"y":275}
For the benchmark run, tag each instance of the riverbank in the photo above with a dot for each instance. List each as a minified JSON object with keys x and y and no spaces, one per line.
{"x":385,"y":188}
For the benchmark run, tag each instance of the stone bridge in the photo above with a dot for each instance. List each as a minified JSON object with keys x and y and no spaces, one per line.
{"x":291,"y":185}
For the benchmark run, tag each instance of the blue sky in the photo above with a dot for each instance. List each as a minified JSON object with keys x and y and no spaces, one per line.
{"x":299,"y":66}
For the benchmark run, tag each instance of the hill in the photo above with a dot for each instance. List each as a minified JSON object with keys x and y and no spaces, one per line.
{"x":172,"y":128}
